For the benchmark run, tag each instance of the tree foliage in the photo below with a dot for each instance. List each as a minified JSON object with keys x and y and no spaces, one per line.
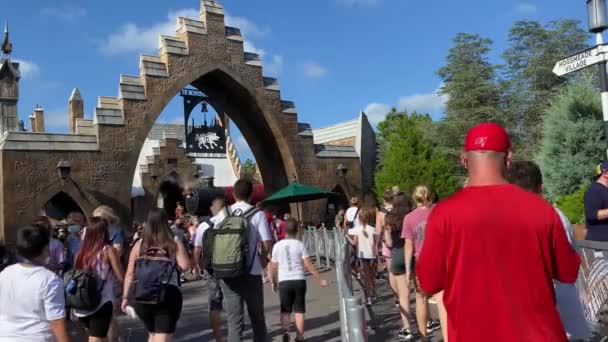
{"x":572,"y":139}
{"x":469,"y":82}
{"x":408,"y":158}
{"x":248,"y":169}
{"x":529,"y":83}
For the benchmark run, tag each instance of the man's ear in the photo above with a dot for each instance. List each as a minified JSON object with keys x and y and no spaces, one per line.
{"x":509,"y":159}
{"x":463,"y":160}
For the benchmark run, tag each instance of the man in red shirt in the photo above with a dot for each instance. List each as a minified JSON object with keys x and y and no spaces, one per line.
{"x":495,"y":249}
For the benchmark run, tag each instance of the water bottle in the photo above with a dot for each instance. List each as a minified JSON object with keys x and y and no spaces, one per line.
{"x":71,"y":287}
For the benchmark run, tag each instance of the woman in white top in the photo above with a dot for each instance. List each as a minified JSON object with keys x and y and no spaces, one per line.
{"x":32,"y":304}
{"x":364,"y":239}
{"x":95,"y":255}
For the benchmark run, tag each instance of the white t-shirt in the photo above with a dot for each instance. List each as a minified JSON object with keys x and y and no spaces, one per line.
{"x":365,"y":241}
{"x":30,"y":297}
{"x":200,"y":230}
{"x":260,"y":231}
{"x":290,"y":255}
{"x":351,"y":215}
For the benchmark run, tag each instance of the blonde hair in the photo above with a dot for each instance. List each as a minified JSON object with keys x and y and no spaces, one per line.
{"x":106,"y":213}
{"x":423,"y":196}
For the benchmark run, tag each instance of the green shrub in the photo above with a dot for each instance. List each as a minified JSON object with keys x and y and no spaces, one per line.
{"x":573,"y":205}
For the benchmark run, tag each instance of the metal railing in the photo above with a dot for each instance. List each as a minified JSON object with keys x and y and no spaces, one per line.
{"x":327,"y":246}
{"x":593,"y":283}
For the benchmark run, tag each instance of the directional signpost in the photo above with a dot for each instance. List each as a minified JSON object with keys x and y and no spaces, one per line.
{"x":581,"y":60}
{"x":597,"y":55}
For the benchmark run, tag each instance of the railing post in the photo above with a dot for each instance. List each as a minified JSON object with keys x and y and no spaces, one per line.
{"x":326,"y":246}
{"x":341,"y":303}
{"x":356,"y":316}
{"x":317,"y":248}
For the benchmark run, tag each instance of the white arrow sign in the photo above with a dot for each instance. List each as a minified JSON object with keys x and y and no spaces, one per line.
{"x":579,"y":61}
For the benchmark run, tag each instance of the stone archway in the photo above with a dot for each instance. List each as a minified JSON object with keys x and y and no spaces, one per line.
{"x":209,"y":56}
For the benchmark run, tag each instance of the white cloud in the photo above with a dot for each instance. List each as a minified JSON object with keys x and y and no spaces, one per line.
{"x":67,"y":13}
{"x":314,"y":70}
{"x":275,"y":65}
{"x":526,"y":8}
{"x":133,"y":38}
{"x":376,"y":112}
{"x":29,"y":70}
{"x":423,"y":103}
{"x":352,"y":3}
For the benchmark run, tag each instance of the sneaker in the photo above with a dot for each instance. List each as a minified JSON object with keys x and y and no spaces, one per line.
{"x":286,"y":337}
{"x":432,"y":325}
{"x":406,"y":334}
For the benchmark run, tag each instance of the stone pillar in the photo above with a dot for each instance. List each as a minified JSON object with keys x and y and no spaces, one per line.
{"x":33,"y":123}
{"x":39,"y":116}
{"x":76,"y":109}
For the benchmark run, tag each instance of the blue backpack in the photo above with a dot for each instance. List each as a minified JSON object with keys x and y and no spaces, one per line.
{"x":154,"y":271}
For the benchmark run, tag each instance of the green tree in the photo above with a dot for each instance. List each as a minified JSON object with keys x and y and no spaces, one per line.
{"x":408,"y":158}
{"x":529,"y":82}
{"x":572,"y":139}
{"x":469,"y":82}
{"x":248,"y":169}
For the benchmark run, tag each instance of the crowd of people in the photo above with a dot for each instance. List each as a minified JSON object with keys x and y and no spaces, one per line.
{"x":495,"y":258}
{"x":82,"y":273}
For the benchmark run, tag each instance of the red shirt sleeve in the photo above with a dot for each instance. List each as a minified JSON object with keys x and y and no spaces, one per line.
{"x":566,"y":260}
{"x":430,"y":266}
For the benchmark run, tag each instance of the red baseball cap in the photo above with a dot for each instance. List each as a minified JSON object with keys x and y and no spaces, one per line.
{"x":487,"y":137}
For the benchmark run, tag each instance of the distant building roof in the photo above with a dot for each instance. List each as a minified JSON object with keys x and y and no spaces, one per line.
{"x":331,"y":151}
{"x":343,"y":130}
{"x":171,"y":130}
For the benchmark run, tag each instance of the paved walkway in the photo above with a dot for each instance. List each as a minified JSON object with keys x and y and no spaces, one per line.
{"x":322,"y":323}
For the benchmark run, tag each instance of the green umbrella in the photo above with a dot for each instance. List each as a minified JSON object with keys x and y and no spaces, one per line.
{"x":296,"y":193}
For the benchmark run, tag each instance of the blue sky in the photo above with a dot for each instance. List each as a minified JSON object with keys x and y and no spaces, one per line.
{"x":334,"y":58}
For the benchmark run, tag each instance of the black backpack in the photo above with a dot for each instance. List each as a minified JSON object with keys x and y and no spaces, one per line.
{"x":82,"y":290}
{"x":154,"y":271}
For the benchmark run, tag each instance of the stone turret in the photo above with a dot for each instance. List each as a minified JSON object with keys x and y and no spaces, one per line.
{"x":9,"y":87}
{"x":39,"y":119}
{"x":76,"y":109}
{"x":32,"y":123}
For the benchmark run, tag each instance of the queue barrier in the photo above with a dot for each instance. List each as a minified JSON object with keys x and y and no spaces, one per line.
{"x":593,"y":283}
{"x":328,"y":246}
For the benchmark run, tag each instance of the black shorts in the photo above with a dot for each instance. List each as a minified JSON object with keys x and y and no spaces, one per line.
{"x":215,"y":296}
{"x":161,"y":318}
{"x":293,"y":296}
{"x":98,"y":324}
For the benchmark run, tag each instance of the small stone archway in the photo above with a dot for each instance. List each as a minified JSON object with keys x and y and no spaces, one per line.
{"x":71,"y":190}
